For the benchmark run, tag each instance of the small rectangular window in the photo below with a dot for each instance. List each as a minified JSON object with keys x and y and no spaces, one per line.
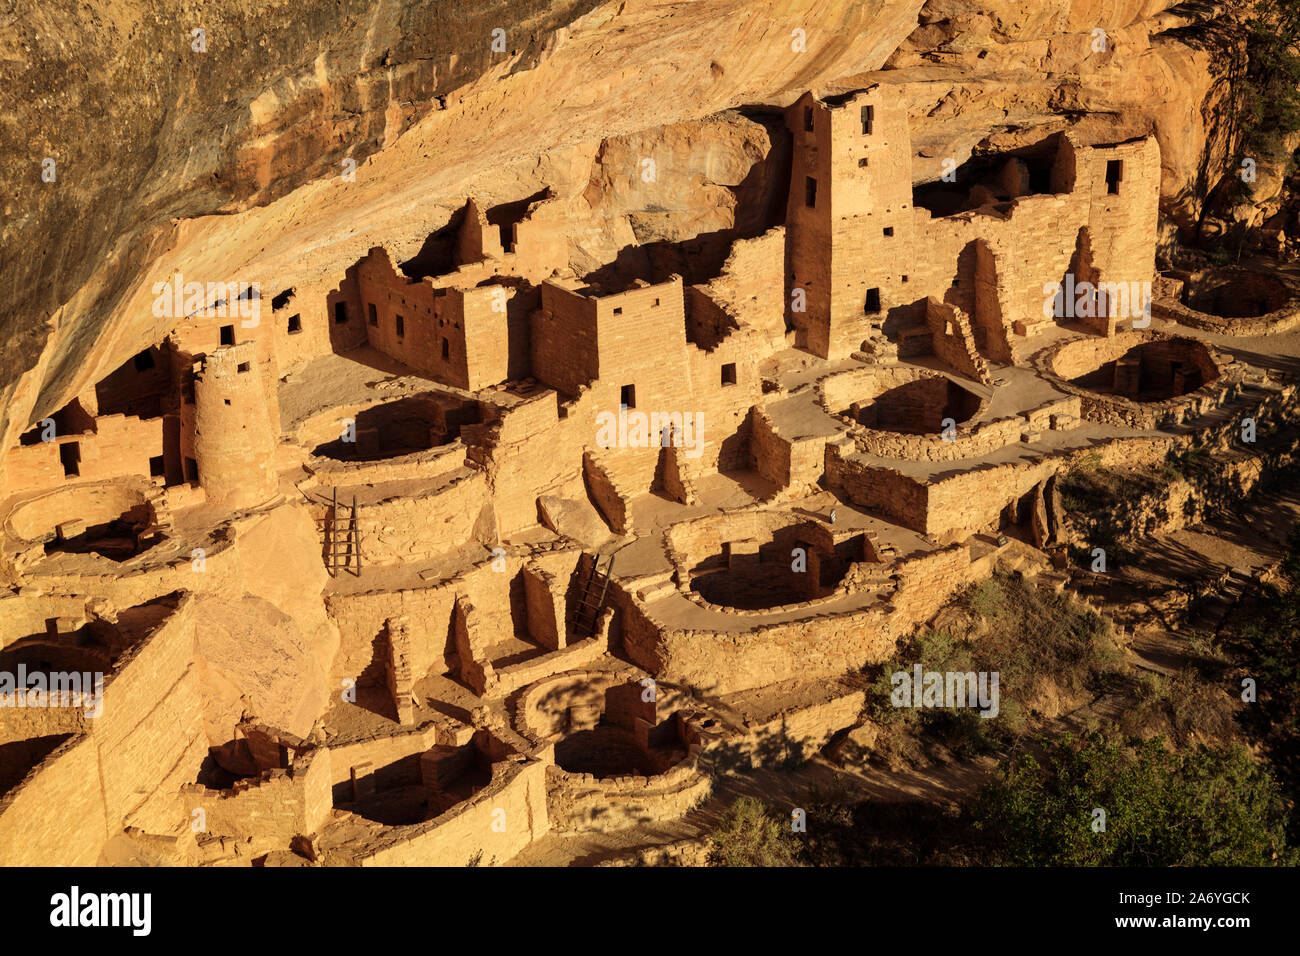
{"x":243,"y":367}
{"x":446,"y":347}
{"x":889,"y":230}
{"x":618,"y":310}
{"x":227,"y":335}
{"x":729,"y":373}
{"x":295,"y":324}
{"x":627,"y":396}
{"x":341,"y":312}
{"x":372,"y":313}
{"x":1114,"y":174}
{"x":873,"y":301}
{"x":868,"y":119}
{"x":157,"y":467}
{"x":810,"y":192}
{"x":401,"y":326}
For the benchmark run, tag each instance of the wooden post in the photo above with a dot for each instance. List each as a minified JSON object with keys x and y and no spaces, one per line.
{"x":334,"y":535}
{"x":356,"y":535}
{"x":600,"y":605}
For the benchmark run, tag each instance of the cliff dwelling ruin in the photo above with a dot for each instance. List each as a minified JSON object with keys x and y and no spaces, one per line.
{"x":541,"y":504}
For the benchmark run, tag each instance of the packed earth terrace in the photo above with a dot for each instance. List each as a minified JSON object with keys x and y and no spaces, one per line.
{"x":476,"y":554}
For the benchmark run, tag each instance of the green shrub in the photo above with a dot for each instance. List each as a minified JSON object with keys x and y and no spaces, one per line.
{"x":1208,"y":807}
{"x":1268,"y":98}
{"x":750,"y":834}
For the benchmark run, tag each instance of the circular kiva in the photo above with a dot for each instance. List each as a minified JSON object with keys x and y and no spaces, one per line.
{"x":911,"y":401}
{"x":1233,"y":301}
{"x":1236,"y":293}
{"x":761,"y":560}
{"x":1137,"y":379}
{"x":915,"y":414}
{"x":106,"y":518}
{"x":392,"y":429}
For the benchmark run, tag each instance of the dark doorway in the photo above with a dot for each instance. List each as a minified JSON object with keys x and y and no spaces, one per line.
{"x":70,"y":456}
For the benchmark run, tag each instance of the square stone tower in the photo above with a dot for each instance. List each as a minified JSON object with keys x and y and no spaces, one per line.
{"x":850,"y":227}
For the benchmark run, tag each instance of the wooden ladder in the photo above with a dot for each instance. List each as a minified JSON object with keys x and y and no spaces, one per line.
{"x":342,"y":539}
{"x":590,"y":604}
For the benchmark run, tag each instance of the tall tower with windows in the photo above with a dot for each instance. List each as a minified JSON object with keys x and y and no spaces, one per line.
{"x":850,"y":225}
